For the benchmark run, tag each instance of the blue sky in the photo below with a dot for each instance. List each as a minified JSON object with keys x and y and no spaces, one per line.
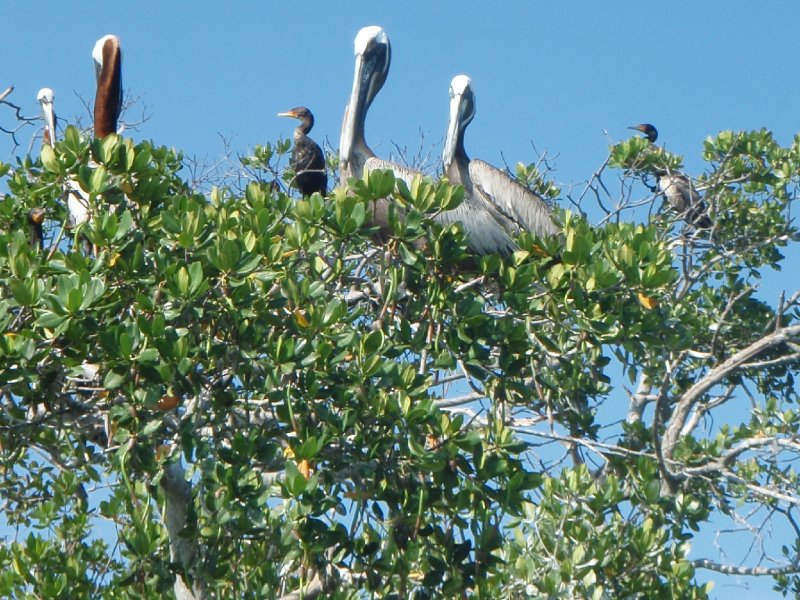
{"x":558,"y":75}
{"x":565,"y":77}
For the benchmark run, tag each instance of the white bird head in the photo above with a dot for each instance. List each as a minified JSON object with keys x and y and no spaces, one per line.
{"x":97,"y":52}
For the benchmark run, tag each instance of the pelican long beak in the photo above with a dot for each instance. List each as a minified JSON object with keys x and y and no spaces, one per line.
{"x":352,"y":111}
{"x":462,"y":110}
{"x":451,"y":139}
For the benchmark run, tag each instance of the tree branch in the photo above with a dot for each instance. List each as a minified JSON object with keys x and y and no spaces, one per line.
{"x":716,"y":375}
{"x":704,"y":563}
{"x":182,"y":551}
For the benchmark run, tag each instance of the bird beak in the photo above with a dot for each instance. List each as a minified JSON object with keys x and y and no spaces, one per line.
{"x":637,"y":128}
{"x":288,"y":113}
{"x":451,"y":137}
{"x":354,"y":108}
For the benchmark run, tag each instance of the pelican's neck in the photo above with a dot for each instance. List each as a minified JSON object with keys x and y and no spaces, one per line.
{"x":108,"y":99}
{"x":45,"y":98}
{"x":49,"y":116}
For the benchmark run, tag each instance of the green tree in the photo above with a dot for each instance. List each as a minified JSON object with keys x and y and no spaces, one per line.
{"x":242,"y":396}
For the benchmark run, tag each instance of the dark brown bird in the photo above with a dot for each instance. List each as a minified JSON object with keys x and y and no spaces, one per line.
{"x":107,"y":58}
{"x":35,"y":220}
{"x":308,"y":160}
{"x":678,"y":188}
{"x":650,"y":132}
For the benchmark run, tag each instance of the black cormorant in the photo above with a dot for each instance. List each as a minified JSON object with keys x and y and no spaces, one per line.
{"x":308,"y":160}
{"x":678,"y":188}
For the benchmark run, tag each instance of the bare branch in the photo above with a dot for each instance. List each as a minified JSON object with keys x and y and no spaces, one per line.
{"x":178,"y":497}
{"x":693,"y":394}
{"x":704,"y":563}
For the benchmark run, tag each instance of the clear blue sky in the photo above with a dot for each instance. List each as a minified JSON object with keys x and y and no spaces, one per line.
{"x":567,"y":77}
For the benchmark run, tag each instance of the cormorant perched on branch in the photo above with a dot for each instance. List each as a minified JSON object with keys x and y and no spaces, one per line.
{"x":678,"y":188}
{"x":35,"y":220}
{"x":649,"y":131}
{"x":308,"y":160}
{"x":514,"y":207}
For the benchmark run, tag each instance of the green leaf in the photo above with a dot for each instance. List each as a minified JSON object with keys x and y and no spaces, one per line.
{"x":294,"y":482}
{"x":49,"y":160}
{"x":113,"y":380}
{"x":98,"y":182}
{"x":152,"y":427}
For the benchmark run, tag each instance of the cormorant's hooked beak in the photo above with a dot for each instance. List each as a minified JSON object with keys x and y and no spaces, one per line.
{"x":289,"y":113}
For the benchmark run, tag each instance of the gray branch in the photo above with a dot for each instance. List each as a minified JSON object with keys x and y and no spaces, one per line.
{"x":182,"y":551}
{"x":684,"y":406}
{"x":704,"y":563}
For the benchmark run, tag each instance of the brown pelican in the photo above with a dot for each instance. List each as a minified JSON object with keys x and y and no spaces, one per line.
{"x":45,"y":98}
{"x":107,"y":58}
{"x":373,"y":57}
{"x":35,"y":220}
{"x":515,"y":208}
{"x":678,"y":188}
{"x":77,"y":199}
{"x":308,"y":160}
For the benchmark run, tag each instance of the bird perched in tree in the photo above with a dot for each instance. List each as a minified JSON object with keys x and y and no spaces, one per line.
{"x":513,"y":206}
{"x":649,"y":131}
{"x":678,"y":188}
{"x":35,"y":220}
{"x":479,"y":219}
{"x":373,"y":53}
{"x":45,"y":98}
{"x":107,"y":58}
{"x":308,"y":160}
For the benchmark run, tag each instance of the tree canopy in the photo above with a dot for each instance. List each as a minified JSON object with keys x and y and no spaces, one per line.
{"x":242,"y":395}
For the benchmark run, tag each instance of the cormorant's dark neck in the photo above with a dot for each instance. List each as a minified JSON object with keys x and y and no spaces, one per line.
{"x":306,"y":124}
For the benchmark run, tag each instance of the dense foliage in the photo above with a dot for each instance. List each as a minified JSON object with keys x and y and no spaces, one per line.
{"x":242,"y":396}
